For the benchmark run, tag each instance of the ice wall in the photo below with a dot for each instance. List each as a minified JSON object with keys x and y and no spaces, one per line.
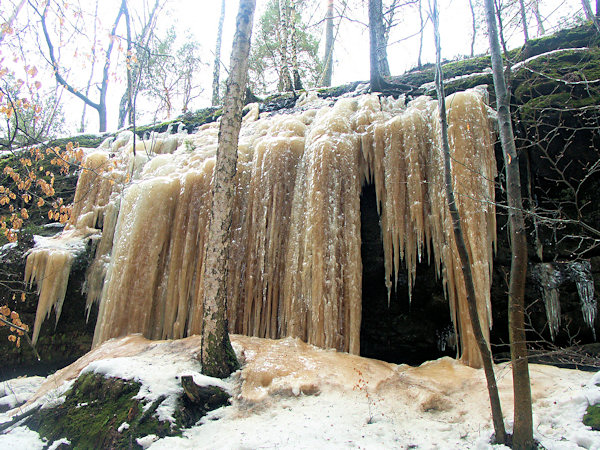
{"x":294,"y":266}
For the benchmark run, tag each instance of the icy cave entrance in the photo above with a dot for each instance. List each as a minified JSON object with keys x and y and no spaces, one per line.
{"x":405,"y":332}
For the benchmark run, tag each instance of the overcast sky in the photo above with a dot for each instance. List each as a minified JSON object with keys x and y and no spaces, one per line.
{"x":351,"y":54}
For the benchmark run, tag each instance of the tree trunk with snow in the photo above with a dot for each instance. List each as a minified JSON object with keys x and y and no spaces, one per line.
{"x":523,"y":427}
{"x":217,"y":356}
{"x":217,"y":66}
{"x":486,"y":354}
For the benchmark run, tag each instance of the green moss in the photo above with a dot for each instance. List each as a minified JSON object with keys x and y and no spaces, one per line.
{"x":83,"y":140}
{"x":581,"y":36}
{"x":466,"y":66}
{"x":554,"y":82}
{"x":337,"y":91}
{"x":592,"y":417}
{"x":190,"y":121}
{"x":93,"y":411}
{"x":96,"y":406}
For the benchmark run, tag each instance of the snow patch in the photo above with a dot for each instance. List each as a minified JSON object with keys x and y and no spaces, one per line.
{"x":146,"y":441}
{"x":22,"y":438}
{"x":18,"y":390}
{"x":56,"y":444}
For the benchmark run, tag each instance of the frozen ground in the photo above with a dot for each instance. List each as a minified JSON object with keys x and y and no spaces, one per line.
{"x":293,"y":395}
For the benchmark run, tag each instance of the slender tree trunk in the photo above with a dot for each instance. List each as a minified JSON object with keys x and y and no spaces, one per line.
{"x":474,"y":22}
{"x":382,"y":59}
{"x":376,"y":40}
{"x":127,"y":111}
{"x":128,"y":99}
{"x":217,"y":66}
{"x":297,"y":81}
{"x":587,"y":9}
{"x":589,"y":15}
{"x":523,"y":425}
{"x":524,"y":21}
{"x":328,"y":59}
{"x":422,"y":32}
{"x":486,"y":354}
{"x":217,"y":356}
{"x":100,"y":107}
{"x":89,"y":83}
{"x":386,"y":25}
{"x":285,"y":79}
{"x":538,"y":17}
{"x":501,"y":28}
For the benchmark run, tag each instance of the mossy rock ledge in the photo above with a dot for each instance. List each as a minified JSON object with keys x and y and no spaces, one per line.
{"x":103,"y":412}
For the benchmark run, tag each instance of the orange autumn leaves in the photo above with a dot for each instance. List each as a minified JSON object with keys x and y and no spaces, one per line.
{"x":16,"y":327}
{"x":30,"y":181}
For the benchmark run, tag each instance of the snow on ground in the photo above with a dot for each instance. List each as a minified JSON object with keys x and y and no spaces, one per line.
{"x":293,"y":395}
{"x":17,"y":391}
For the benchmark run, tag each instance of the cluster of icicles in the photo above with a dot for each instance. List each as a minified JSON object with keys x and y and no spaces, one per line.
{"x":295,"y":259}
{"x":550,"y":276}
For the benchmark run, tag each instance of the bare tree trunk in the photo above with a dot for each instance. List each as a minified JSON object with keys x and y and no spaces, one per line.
{"x":589,"y":15}
{"x":486,"y":354}
{"x":100,"y":106}
{"x":382,"y":58}
{"x":523,"y":427}
{"x":501,"y":28}
{"x":421,"y":33}
{"x":524,"y":21}
{"x":128,"y":99}
{"x":328,"y":59}
{"x":128,"y":110}
{"x":473,"y":36}
{"x":297,"y":81}
{"x":217,"y":356}
{"x":587,"y":9}
{"x":387,"y":22}
{"x":217,"y":66}
{"x":89,"y":83}
{"x":285,"y":79}
{"x":538,"y":17}
{"x":376,"y":42}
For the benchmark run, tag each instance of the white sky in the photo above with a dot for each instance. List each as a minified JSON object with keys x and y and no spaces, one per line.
{"x":351,"y":54}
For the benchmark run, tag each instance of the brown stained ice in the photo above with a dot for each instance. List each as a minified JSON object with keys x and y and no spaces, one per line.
{"x":295,"y":264}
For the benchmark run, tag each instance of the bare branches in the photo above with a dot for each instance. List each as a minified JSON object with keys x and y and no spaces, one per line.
{"x":100,"y":105}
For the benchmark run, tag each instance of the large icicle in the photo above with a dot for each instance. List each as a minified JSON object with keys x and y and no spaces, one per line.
{"x":322,"y":283}
{"x":49,"y":262}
